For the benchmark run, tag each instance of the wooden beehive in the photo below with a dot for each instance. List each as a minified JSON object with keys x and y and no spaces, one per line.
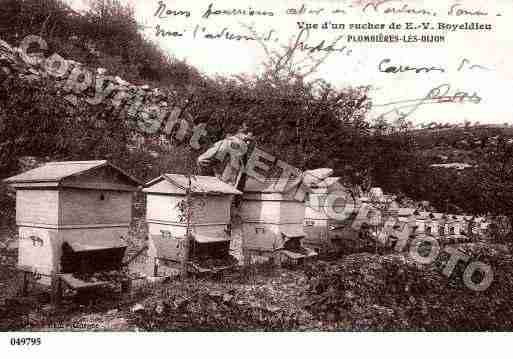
{"x":317,"y":214}
{"x":434,"y":225}
{"x":405,"y":225}
{"x":209,"y":222}
{"x":83,"y":206}
{"x":271,"y":215}
{"x":454,"y":226}
{"x":421,"y":220}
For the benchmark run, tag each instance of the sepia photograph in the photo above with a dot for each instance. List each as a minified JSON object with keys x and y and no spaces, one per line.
{"x":330,"y":166}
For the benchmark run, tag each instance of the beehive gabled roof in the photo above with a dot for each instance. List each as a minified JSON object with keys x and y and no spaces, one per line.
{"x":58,"y":171}
{"x":328,"y":182}
{"x":405,"y":211}
{"x":268,"y":185}
{"x":437,"y":215}
{"x":293,"y":233}
{"x":170,"y":183}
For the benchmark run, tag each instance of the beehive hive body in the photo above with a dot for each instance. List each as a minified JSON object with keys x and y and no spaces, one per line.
{"x":211,"y":218}
{"x":41,"y":248}
{"x":80,"y":207}
{"x":210,"y":215}
{"x":267,"y":213}
{"x":317,"y":220}
{"x":37,"y":206}
{"x":318,"y":215}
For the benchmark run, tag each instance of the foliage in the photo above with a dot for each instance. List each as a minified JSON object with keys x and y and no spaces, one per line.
{"x":105,"y":36}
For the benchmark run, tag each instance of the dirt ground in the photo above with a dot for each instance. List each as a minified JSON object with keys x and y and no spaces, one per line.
{"x":355,"y":292}
{"x":254,"y":299}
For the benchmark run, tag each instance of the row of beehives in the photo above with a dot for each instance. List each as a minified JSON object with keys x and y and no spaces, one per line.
{"x":74,"y":217}
{"x":384,"y":219}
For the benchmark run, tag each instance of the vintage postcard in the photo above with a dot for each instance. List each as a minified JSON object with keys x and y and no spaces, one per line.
{"x":244,"y":166}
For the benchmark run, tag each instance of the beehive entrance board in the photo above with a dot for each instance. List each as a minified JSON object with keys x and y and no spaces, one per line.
{"x":80,"y":285}
{"x":76,"y":259}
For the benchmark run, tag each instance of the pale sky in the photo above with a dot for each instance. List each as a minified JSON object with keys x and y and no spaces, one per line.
{"x":492,"y":80}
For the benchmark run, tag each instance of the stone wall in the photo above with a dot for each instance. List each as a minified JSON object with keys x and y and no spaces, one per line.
{"x":84,"y":86}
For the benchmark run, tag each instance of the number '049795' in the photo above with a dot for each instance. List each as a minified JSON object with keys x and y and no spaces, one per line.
{"x":27,"y":341}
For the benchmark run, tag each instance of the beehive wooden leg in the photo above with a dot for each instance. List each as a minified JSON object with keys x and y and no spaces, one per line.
{"x":185,"y":258}
{"x":126,"y":286}
{"x":56,"y":290}
{"x":155,"y":267}
{"x":24,"y":289}
{"x":247,"y":257}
